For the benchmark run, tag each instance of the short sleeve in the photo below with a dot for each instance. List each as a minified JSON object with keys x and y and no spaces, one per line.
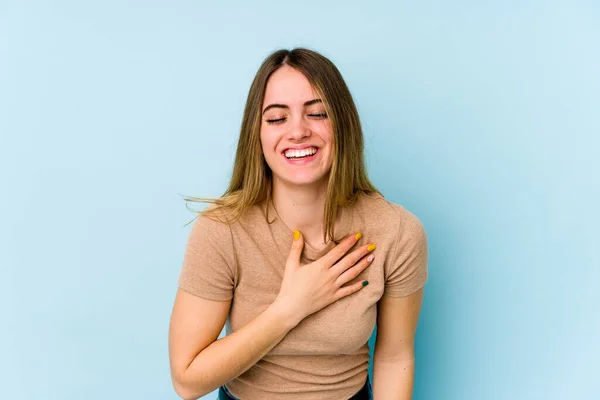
{"x":406,"y":265}
{"x":208,"y":269}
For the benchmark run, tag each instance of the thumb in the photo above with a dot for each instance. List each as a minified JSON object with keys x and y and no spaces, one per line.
{"x":296,"y":251}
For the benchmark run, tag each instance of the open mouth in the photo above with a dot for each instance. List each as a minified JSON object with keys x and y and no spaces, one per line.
{"x":292,"y":154}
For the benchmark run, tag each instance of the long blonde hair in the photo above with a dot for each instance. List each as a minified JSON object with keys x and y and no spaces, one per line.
{"x":251,"y":178}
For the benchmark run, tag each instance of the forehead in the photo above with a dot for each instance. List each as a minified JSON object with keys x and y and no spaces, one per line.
{"x":288,"y":86}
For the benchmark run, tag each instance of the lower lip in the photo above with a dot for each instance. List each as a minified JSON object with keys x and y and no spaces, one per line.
{"x":304,"y":160}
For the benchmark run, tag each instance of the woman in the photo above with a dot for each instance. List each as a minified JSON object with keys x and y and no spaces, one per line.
{"x":284,"y":257}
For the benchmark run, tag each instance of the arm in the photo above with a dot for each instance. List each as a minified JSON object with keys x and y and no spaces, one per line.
{"x":199,"y":362}
{"x":394,"y":358}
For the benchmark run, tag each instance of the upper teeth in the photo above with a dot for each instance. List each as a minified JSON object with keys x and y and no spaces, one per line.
{"x":300,"y":153}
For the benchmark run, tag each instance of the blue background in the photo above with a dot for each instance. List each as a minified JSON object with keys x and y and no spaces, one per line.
{"x":482,"y":118}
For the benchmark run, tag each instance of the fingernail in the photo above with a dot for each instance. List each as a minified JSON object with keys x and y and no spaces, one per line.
{"x":358,"y":236}
{"x":370,"y":258}
{"x":371,"y":247}
{"x":365,"y":283}
{"x":296,"y":235}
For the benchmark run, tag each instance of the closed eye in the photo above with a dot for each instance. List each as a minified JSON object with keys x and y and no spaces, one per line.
{"x":281,"y":120}
{"x":276,"y":121}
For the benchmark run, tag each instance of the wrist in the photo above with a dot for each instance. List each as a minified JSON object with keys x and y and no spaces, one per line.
{"x":286,"y":313}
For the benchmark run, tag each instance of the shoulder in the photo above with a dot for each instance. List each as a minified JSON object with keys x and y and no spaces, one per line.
{"x":376,"y":209}
{"x":404,"y":243}
{"x":211,"y":222}
{"x":210,"y":238}
{"x":219,"y":219}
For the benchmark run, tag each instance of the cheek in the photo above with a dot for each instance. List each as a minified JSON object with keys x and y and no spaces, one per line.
{"x":326,"y":137}
{"x":268,"y":138}
{"x":267,"y":144}
{"x":264,"y":142}
{"x":325,"y":132}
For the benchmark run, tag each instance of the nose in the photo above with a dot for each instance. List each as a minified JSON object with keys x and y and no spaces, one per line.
{"x":298,"y":129}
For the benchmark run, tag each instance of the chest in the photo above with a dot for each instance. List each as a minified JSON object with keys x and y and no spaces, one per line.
{"x":343,"y":327}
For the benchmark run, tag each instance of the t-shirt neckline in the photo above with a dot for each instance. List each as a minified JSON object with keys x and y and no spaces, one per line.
{"x":285,"y":234}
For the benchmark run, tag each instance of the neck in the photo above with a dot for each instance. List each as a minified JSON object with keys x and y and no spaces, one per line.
{"x":302,"y":208}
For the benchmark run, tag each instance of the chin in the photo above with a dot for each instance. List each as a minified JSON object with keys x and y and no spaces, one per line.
{"x":304,"y":180}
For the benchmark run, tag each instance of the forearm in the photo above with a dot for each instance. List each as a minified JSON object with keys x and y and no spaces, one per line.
{"x":393,"y":379}
{"x":229,"y":357}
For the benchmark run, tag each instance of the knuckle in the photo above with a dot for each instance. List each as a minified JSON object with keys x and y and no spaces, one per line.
{"x":355,"y":260}
{"x":345,"y":245}
{"x":365,"y":263}
{"x":359,"y":256}
{"x":351,"y":259}
{"x":323,"y":266}
{"x":354,"y":272}
{"x":343,"y":292}
{"x":365,"y":250}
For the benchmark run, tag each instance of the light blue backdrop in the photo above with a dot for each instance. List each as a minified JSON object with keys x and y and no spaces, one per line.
{"x":482,"y":118}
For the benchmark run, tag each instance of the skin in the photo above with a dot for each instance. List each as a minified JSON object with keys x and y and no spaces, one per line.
{"x":299,"y":197}
{"x":199,"y":362}
{"x":394,"y":356}
{"x":298,"y":190}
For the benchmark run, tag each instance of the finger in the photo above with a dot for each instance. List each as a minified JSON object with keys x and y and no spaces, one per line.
{"x":350,"y":259}
{"x":353,"y":272}
{"x":296,"y":250}
{"x":350,"y":289}
{"x":342,"y":248}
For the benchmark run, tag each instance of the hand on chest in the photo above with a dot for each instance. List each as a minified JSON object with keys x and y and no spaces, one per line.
{"x":340,"y":328}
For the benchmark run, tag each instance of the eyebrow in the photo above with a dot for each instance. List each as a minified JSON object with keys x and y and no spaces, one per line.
{"x":308,"y":103}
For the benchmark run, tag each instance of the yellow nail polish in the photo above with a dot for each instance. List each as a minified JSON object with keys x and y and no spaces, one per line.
{"x":296,"y":235}
{"x":358,"y":236}
{"x":371,"y":247}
